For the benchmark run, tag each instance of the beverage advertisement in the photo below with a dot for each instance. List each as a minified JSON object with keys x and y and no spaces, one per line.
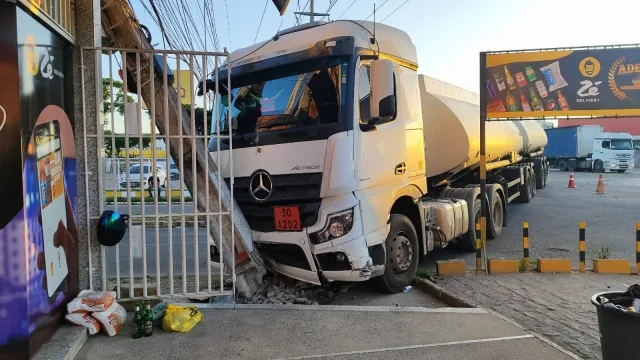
{"x":38,"y":235}
{"x":597,"y":82}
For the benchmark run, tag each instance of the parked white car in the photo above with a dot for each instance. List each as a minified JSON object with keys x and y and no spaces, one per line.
{"x":134,"y":172}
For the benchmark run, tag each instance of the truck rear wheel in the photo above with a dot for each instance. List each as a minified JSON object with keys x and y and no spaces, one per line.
{"x":572,"y":165}
{"x":468,"y":240}
{"x":562,"y":165}
{"x":401,"y":256}
{"x":495,"y":227}
{"x":526,"y":193}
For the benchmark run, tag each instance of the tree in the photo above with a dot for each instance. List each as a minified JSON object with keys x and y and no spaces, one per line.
{"x":199,"y":117}
{"x":120,"y":141}
{"x":118,"y":100}
{"x":118,"y":106}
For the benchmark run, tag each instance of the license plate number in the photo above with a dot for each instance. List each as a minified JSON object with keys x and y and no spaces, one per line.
{"x":287,"y":218}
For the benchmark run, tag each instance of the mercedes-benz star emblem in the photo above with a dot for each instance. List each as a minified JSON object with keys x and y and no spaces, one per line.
{"x":260,"y":185}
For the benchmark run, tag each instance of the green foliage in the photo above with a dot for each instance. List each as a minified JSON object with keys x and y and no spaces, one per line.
{"x":118,"y":97}
{"x":602,"y":253}
{"x":120,"y":141}
{"x":199,"y":119}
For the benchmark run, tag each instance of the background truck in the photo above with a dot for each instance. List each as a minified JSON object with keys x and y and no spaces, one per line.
{"x":349,"y":166}
{"x":587,"y":147}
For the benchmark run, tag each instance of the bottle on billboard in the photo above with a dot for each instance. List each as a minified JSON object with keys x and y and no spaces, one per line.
{"x":541,"y":89}
{"x":564,"y":104}
{"x":524,"y":103}
{"x":535,"y":102}
{"x":492,"y":90}
{"x":522,"y":82}
{"x":512,"y":84}
{"x":500,"y":82}
{"x":531,"y":74}
{"x":551,"y":105}
{"x":512,"y":104}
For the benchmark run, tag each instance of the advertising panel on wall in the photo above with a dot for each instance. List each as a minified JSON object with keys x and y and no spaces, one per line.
{"x":38,"y":236}
{"x":589,"y":82}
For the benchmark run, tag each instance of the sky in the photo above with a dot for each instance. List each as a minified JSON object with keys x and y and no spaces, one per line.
{"x":448,"y":34}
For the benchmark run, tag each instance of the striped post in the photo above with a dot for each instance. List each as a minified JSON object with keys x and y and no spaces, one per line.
{"x":525,"y":245}
{"x":478,"y":249}
{"x":638,"y":247}
{"x":583,"y":246}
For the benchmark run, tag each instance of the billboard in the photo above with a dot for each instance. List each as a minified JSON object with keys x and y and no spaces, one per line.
{"x":593,"y":82}
{"x":186,"y":77}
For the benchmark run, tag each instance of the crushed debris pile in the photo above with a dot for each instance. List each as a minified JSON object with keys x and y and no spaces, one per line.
{"x":277,"y":289}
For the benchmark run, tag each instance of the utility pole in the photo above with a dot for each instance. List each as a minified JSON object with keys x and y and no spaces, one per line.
{"x":120,"y":26}
{"x":311,"y":14}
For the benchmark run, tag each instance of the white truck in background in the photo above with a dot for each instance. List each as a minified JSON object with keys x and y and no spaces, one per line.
{"x":588,"y":147}
{"x":348,"y":165}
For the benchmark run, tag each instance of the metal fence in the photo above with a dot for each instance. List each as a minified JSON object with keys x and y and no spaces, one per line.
{"x":167,"y":249}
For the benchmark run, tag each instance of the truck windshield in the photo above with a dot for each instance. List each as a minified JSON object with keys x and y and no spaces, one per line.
{"x":306,"y":94}
{"x":621,"y":144}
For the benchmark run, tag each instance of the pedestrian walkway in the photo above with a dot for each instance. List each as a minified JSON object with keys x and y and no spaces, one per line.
{"x":556,"y":306}
{"x":327,"y":332}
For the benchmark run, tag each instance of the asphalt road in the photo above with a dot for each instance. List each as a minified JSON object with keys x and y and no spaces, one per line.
{"x":554,"y":215}
{"x":163,"y":241}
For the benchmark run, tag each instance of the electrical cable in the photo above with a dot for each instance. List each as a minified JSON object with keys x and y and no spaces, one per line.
{"x":262,"y":18}
{"x":401,"y":5}
{"x":374,"y":10}
{"x":347,"y":9}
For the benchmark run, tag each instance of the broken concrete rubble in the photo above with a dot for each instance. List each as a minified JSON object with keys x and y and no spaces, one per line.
{"x":277,"y":289}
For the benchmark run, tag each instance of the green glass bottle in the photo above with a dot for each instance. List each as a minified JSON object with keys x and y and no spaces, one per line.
{"x":148,"y":321}
{"x":138,"y":323}
{"x":535,"y":102}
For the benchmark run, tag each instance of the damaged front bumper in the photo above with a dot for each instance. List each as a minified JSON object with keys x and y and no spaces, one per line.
{"x":343,"y":259}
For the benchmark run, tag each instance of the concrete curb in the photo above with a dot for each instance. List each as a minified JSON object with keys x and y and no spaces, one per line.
{"x":441,"y":294}
{"x":362,"y":308}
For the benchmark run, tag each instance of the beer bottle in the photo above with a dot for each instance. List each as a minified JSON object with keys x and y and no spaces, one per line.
{"x":512,"y":84}
{"x":524,"y":103}
{"x":512,"y":104}
{"x":138,"y":323}
{"x":148,"y":321}
{"x":564,"y":104}
{"x":535,"y":102}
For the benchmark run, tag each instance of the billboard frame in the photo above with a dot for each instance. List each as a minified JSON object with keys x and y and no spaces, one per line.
{"x":483,"y":119}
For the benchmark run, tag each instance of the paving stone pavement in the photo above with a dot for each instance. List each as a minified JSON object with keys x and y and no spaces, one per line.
{"x":557,"y":306}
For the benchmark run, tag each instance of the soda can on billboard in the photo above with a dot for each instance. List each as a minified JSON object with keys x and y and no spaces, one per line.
{"x":522,"y":82}
{"x":492,"y":90}
{"x":531,"y":74}
{"x":541,"y":89}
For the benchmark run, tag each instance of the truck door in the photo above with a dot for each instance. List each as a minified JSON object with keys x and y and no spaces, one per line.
{"x":381,"y":152}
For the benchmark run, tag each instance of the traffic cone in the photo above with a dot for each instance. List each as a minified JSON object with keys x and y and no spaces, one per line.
{"x":600,"y":187}
{"x":572,"y":181}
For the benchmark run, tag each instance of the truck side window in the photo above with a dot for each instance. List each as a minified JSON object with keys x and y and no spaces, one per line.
{"x":606,"y":144}
{"x":364,"y":94}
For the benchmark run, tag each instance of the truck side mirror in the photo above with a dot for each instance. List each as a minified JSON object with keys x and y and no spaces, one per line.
{"x":383,"y":100}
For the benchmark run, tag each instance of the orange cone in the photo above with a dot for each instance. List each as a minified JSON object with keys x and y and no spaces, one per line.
{"x":600,"y":187}
{"x":572,"y":181}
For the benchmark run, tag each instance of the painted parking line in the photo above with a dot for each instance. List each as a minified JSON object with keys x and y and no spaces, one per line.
{"x":410,"y":347}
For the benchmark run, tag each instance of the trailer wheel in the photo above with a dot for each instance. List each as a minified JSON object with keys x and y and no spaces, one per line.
{"x":598,"y":166}
{"x":468,"y":240}
{"x":526,"y":193}
{"x":402,"y":256}
{"x":534,"y":183}
{"x":572,"y":165}
{"x":562,"y":165}
{"x":539,"y":168}
{"x":494,"y":230}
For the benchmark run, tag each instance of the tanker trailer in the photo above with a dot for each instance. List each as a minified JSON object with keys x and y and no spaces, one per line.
{"x":515,"y":167}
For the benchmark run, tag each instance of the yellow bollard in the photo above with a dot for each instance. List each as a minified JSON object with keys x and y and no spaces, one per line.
{"x":478,"y":250}
{"x":583,"y":246}
{"x":525,"y":245}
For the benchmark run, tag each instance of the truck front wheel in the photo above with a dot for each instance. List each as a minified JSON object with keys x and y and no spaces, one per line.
{"x":598,"y":166}
{"x":401,"y":256}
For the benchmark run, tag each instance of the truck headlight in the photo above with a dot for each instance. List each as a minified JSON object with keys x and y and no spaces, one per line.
{"x":337,"y":225}
{"x":613,"y":165}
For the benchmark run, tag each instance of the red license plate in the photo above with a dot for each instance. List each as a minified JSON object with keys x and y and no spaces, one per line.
{"x":287,"y":218}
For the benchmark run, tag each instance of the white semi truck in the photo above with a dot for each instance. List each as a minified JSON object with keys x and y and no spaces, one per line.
{"x":348,"y":165}
{"x":589,"y":147}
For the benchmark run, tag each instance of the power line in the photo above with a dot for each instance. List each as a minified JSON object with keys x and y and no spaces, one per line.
{"x":347,"y":9}
{"x":374,"y":10}
{"x":226,"y":9}
{"x":401,"y":5}
{"x":332,"y":3}
{"x":259,"y":26}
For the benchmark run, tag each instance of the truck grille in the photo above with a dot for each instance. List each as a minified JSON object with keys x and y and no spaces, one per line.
{"x":623,"y":156}
{"x":301,"y":190}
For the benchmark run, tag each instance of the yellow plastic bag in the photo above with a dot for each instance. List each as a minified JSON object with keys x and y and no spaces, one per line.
{"x":181,"y":318}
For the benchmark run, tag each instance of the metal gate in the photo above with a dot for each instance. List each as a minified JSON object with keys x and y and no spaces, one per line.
{"x":167,"y":250}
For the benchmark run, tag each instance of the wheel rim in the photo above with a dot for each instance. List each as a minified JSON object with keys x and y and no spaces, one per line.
{"x":497,"y":215}
{"x":401,"y":253}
